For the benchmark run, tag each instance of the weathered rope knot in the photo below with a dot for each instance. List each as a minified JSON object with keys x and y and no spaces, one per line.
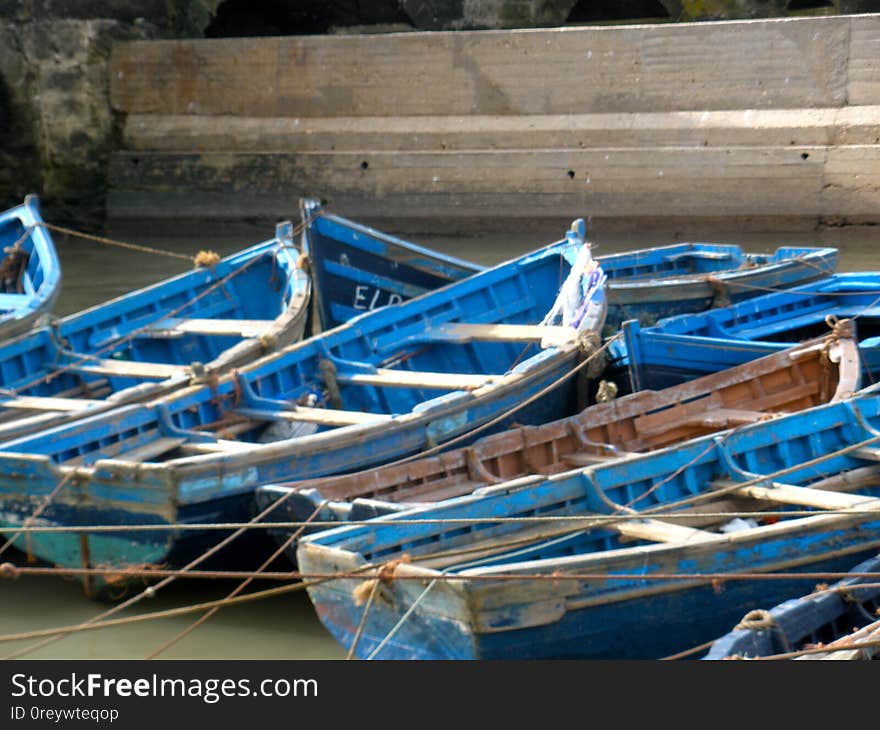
{"x":385,"y":574}
{"x":8,"y":571}
{"x":839,"y":327}
{"x":757,"y":619}
{"x":720,"y":295}
{"x":206,"y":259}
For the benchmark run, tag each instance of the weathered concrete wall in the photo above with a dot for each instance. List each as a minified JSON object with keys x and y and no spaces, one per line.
{"x":776,"y":119}
{"x":56,"y":125}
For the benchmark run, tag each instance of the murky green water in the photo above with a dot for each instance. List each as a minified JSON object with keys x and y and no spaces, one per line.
{"x":285,"y":626}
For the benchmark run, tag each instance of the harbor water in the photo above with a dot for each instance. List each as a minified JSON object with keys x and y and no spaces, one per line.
{"x":284,"y":626}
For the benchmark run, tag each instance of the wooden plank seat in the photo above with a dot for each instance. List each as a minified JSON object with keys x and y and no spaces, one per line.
{"x":129,"y":368}
{"x":222,"y":446}
{"x":153,"y":449}
{"x":45,"y":403}
{"x":799,"y":496}
{"x":321,"y":416}
{"x":659,"y":531}
{"x":175,"y":327}
{"x":386,"y":378}
{"x":467,"y":332}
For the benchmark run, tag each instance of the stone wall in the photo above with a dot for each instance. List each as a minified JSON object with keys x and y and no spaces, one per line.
{"x":56,"y":126}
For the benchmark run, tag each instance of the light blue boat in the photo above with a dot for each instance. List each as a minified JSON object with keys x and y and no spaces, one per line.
{"x":30,"y":273}
{"x":192,"y":326}
{"x":357,"y":268}
{"x":599,"y":562}
{"x":389,"y":383}
{"x":688,"y":346}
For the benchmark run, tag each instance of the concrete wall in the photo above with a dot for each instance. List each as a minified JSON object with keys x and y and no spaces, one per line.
{"x":776,"y":121}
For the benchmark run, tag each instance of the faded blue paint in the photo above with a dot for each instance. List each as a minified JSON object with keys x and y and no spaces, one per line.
{"x":40,"y":282}
{"x":819,"y":617}
{"x":175,"y":483}
{"x":644,"y":284}
{"x":601,"y":618}
{"x":680,"y":348}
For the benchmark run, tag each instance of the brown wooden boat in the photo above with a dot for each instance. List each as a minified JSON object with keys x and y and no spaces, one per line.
{"x":807,"y":375}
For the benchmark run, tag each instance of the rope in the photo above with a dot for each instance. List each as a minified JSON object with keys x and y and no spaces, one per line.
{"x":363,"y":622}
{"x":238,"y":589}
{"x":150,"y":591}
{"x":121,"y":244}
{"x":85,"y":357}
{"x":590,"y":518}
{"x":755,"y":621}
{"x":488,"y":424}
{"x":12,"y":572}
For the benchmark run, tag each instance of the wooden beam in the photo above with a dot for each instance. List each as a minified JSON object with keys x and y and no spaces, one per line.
{"x":45,"y":403}
{"x":660,"y":531}
{"x":800,"y":496}
{"x":130,"y":369}
{"x":466,"y":332}
{"x":220,"y":446}
{"x":222,"y":327}
{"x":322,"y":416}
{"x":385,"y":378}
{"x":150,"y":451}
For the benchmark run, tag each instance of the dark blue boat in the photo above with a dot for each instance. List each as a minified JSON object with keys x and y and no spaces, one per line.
{"x":358,"y":268}
{"x":389,"y":383}
{"x":140,"y":345}
{"x":824,"y":616}
{"x":680,"y":348}
{"x":562,"y":566}
{"x":30,"y":274}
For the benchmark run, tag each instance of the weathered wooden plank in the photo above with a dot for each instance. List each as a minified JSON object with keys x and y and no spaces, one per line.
{"x":44,"y":403}
{"x":220,"y":446}
{"x":228,"y":327}
{"x":749,"y":64}
{"x":322,"y":416}
{"x":749,"y":127}
{"x":801,"y":496}
{"x":151,"y":450}
{"x":465,"y":331}
{"x":384,"y":377}
{"x":660,"y":531}
{"x":130,"y":368}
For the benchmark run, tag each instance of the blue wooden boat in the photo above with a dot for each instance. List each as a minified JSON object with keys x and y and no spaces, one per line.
{"x":460,"y":579}
{"x":389,"y":383}
{"x":358,"y":268}
{"x":679,"y":348}
{"x":30,"y":274}
{"x":801,"y":377}
{"x":822,"y":617}
{"x":148,"y":342}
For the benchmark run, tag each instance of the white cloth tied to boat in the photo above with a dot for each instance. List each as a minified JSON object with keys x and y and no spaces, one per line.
{"x":580,"y":288}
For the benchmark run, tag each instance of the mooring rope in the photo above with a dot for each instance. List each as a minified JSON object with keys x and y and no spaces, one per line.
{"x":238,"y":589}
